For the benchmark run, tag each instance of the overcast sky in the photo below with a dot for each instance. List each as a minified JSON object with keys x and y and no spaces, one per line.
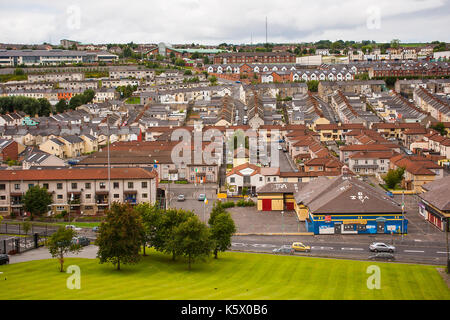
{"x":217,"y":21}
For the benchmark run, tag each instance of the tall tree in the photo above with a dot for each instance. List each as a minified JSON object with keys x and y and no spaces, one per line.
{"x":120,"y":236}
{"x":164,"y":240}
{"x":151,"y":216}
{"x":192,"y":239}
{"x":222,"y":229}
{"x":36,"y":201}
{"x":60,"y":243}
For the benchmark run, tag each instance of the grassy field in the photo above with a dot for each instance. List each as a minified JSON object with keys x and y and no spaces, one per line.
{"x":233,"y":276}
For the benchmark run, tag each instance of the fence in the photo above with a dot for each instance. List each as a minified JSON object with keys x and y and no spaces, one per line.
{"x":18,"y":229}
{"x":15,"y":245}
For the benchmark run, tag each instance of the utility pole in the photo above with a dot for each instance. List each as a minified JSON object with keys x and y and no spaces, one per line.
{"x":403,"y":214}
{"x":109,"y":166}
{"x":446,"y":236}
{"x":267,"y":45}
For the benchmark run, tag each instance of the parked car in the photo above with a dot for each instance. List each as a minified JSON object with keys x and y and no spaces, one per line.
{"x":71,"y":226}
{"x":298,"y":246}
{"x":280,"y":147}
{"x":381,"y":247}
{"x":382,"y":256}
{"x":201,"y":197}
{"x":82,"y":241}
{"x":284,"y":249}
{"x":4,"y":259}
{"x":284,"y":150}
{"x":181,"y":197}
{"x":95,"y":229}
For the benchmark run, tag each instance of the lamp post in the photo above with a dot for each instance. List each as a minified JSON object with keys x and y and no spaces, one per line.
{"x":448,"y":254}
{"x":282,"y":222}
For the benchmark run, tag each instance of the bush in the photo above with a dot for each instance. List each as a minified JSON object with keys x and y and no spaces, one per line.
{"x":229,"y":204}
{"x":243,"y":203}
{"x":181,"y":182}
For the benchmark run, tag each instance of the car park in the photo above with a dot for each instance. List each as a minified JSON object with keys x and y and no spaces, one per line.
{"x":181,"y":197}
{"x":382,"y":256}
{"x":4,"y":259}
{"x":284,"y":250}
{"x":381,"y":247}
{"x":298,"y":246}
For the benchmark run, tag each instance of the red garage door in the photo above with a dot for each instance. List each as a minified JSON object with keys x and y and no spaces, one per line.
{"x":267,"y":204}
{"x":289,"y":206}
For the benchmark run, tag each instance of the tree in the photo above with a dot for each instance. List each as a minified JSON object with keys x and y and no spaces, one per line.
{"x":164,"y":240}
{"x":394,"y":177}
{"x":440,"y":127}
{"x":395,"y":43}
{"x":213,"y":80}
{"x":222,"y":229}
{"x":60,"y":243}
{"x":120,"y":236}
{"x":61,"y":106}
{"x":313,"y":85}
{"x":36,"y":201}
{"x":192,"y":239}
{"x":151,"y":218}
{"x":26,"y":226}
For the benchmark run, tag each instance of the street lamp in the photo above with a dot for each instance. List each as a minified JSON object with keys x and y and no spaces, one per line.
{"x":282,"y":222}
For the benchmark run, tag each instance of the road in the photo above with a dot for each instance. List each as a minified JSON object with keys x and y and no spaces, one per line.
{"x":419,"y":252}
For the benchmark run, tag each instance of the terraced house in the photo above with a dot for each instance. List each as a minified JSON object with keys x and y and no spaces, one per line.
{"x":78,"y":191}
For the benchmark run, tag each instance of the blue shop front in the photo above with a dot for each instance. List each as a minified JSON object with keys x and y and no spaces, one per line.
{"x":356,"y":224}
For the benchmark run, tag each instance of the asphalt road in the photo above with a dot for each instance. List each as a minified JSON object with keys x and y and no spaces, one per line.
{"x":407,"y":252}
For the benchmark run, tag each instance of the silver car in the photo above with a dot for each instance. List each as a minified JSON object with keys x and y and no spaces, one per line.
{"x":284,"y":249}
{"x":381,"y":247}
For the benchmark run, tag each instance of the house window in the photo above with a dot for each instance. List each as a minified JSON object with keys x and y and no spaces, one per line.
{"x":88,"y":196}
{"x":144,"y":184}
{"x":2,"y":197}
{"x":144,"y":195}
{"x":60,"y":208}
{"x":74,"y":186}
{"x":31,"y":185}
{"x":2,"y":186}
{"x":115,"y":185}
{"x":16,"y":186}
{"x":102,"y":185}
{"x":232,"y":180}
{"x":130,"y":185}
{"x":260,"y":179}
{"x":87,"y":185}
{"x":45,"y":185}
{"x":59,"y":186}
{"x":60,"y":196}
{"x":116,"y":196}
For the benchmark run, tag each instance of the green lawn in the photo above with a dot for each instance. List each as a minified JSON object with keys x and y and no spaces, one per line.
{"x":232,"y":276}
{"x":133,"y":100}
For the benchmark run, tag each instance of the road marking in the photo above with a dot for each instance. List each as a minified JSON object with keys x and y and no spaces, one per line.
{"x":238,"y":244}
{"x":357,"y":249}
{"x":323,"y":248}
{"x":442,"y":252}
{"x":263,"y":245}
{"x":414,"y":251}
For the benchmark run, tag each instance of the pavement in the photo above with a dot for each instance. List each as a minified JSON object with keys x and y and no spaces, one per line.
{"x":89,"y":252}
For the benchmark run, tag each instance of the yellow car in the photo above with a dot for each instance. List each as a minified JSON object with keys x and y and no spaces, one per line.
{"x":298,"y":246}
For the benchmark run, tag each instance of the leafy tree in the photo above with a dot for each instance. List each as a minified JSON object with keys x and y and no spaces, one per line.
{"x":164,"y":240}
{"x":180,"y":62}
{"x":394,"y":177}
{"x":395,"y":43}
{"x":36,"y":201}
{"x":61,"y":106}
{"x":206,"y":60}
{"x":440,"y":127}
{"x":120,"y":236}
{"x":222,"y":229}
{"x":213,"y":80}
{"x":192,"y":239}
{"x":188,"y":73}
{"x":26,"y":226}
{"x":313,"y":85}
{"x":60,"y":243}
{"x":151,"y":216}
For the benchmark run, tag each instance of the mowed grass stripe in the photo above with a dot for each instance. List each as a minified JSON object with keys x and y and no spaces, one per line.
{"x":235,"y":275}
